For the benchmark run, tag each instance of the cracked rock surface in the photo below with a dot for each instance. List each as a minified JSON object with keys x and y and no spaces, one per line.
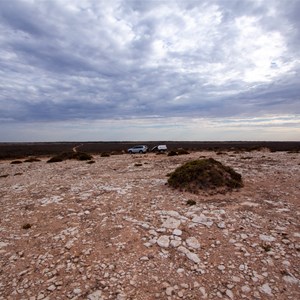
{"x":115,"y":230}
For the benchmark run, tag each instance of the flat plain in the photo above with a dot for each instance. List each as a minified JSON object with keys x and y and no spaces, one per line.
{"x":114,"y":229}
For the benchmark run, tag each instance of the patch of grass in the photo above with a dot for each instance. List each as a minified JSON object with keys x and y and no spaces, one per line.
{"x":204,"y":174}
{"x":138,"y":164}
{"x":18,"y":174}
{"x":70,"y":155}
{"x":4,"y":176}
{"x":16,"y":162}
{"x":91,"y":162}
{"x":26,"y":226}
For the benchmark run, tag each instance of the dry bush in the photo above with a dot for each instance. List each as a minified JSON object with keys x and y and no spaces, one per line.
{"x":172,"y":153}
{"x":105,"y":154}
{"x":70,"y":155}
{"x":32,"y":159}
{"x":181,"y":151}
{"x":204,"y":174}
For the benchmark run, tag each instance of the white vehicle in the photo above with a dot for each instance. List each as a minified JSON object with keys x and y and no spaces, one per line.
{"x":159,"y":148}
{"x":138,"y":149}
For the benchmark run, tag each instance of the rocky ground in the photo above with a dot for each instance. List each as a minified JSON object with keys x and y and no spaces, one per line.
{"x":115,"y":230}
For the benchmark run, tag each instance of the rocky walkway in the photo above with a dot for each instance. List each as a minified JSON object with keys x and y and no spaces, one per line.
{"x":115,"y":230}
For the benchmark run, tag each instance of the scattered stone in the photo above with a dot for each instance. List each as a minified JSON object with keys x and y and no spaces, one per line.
{"x":291,"y":279}
{"x":192,"y":242}
{"x":229,"y":294}
{"x":95,"y":295}
{"x":171,"y":223}
{"x":175,"y":243}
{"x":221,"y":225}
{"x":193,"y":257}
{"x":265,"y":288}
{"x":246,"y":289}
{"x":221,"y":267}
{"x":177,"y":232}
{"x":163,"y":241}
{"x":202,"y":219}
{"x":169,"y":291}
{"x":267,"y":238}
{"x":51,"y":288}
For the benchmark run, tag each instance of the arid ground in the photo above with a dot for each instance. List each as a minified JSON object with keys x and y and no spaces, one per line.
{"x":114,"y":229}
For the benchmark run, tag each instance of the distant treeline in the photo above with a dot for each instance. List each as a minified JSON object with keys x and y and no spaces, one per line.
{"x":20,"y":150}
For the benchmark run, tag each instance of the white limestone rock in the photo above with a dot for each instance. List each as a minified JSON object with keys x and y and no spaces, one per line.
{"x":171,"y":223}
{"x":163,"y":241}
{"x":192,"y":242}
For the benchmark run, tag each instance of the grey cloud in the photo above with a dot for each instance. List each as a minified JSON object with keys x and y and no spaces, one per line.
{"x":95,"y":63}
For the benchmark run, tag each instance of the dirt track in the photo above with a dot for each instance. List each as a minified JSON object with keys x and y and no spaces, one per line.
{"x":115,"y":230}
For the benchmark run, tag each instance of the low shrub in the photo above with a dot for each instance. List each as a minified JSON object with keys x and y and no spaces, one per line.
{"x":190,"y":202}
{"x":172,"y":153}
{"x":70,"y":155}
{"x":16,"y":162}
{"x":105,"y":154}
{"x":54,"y":159}
{"x":182,"y":152}
{"x":204,"y":174}
{"x":32,"y":159}
{"x":26,"y":226}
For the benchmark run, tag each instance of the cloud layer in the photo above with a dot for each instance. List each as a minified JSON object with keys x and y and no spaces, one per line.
{"x":98,"y":61}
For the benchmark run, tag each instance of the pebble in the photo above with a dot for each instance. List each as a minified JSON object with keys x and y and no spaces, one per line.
{"x":163,"y":241}
{"x":192,"y":242}
{"x":177,"y":232}
{"x":95,"y":295}
{"x":229,"y":294}
{"x":171,"y":223}
{"x":193,"y":257}
{"x":267,"y":238}
{"x":221,"y":225}
{"x":265,"y":288}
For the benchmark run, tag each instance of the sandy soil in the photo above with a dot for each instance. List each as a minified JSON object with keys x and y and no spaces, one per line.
{"x":115,"y":230}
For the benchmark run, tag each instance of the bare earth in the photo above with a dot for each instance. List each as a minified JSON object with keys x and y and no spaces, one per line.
{"x":115,"y":230}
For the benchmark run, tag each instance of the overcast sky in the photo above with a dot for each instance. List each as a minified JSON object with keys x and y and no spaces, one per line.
{"x":90,"y":70}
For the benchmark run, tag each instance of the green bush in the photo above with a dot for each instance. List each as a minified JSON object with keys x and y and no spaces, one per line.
{"x":204,"y":174}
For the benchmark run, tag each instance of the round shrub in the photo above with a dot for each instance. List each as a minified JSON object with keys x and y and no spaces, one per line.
{"x":204,"y":174}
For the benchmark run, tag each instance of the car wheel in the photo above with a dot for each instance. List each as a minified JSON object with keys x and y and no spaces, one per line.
{"x":141,"y":151}
{"x":130,"y":152}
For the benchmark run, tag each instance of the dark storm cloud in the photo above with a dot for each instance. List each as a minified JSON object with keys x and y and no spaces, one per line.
{"x":123,"y":59}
